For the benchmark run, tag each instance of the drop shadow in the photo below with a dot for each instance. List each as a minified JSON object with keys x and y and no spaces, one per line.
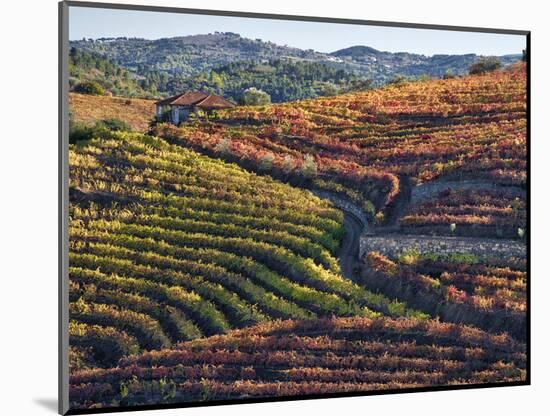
{"x":48,"y":404}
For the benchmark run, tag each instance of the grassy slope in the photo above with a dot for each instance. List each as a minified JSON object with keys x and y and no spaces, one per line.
{"x":88,"y":108}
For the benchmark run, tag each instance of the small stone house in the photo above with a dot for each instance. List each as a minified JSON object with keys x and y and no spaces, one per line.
{"x":177,"y":109}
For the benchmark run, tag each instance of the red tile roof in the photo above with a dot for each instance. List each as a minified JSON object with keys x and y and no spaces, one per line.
{"x":213,"y":102}
{"x":168,"y":101}
{"x":190,"y":98}
{"x":200,"y":99}
{"x":186,"y":98}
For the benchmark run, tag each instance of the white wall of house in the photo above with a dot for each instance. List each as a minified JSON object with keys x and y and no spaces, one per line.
{"x":175,"y":115}
{"x":180,"y":113}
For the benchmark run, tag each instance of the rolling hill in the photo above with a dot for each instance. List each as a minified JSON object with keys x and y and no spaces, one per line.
{"x":193,"y":55}
{"x":372,"y":147}
{"x":382,"y":66}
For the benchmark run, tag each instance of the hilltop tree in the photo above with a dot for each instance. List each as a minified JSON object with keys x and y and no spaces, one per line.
{"x":484,"y":65}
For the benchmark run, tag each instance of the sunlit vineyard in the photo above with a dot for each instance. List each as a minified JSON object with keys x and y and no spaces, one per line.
{"x":207,"y":261}
{"x":293,"y":358}
{"x":464,"y":289}
{"x":167,"y":245}
{"x":499,"y":213}
{"x":364,"y":144}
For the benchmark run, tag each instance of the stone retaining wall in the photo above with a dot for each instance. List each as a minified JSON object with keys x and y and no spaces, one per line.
{"x":427,"y":190}
{"x":394,"y":245}
{"x":344,"y":205}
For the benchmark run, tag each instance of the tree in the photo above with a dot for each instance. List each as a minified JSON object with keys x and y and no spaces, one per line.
{"x":216,"y":80}
{"x":80,"y":131}
{"x":484,"y":65}
{"x":448,"y":74}
{"x":328,"y":89}
{"x":253,"y":96}
{"x":398,"y":80}
{"x":89,"y":87}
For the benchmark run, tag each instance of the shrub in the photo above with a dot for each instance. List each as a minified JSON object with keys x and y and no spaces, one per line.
{"x":266,"y":162}
{"x":379,"y":218}
{"x":79,"y":131}
{"x":409,"y":257}
{"x":288,"y":164}
{"x":114,"y":124}
{"x":398,"y":80}
{"x":382,"y":264}
{"x":223,"y":146}
{"x":484,"y":65}
{"x":89,"y":87}
{"x":309,"y":167}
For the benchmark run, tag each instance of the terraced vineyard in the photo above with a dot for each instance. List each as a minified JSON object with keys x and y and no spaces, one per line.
{"x":459,"y":289}
{"x":203,"y":267}
{"x":167,"y":245}
{"x":483,"y":211}
{"x":293,"y":358}
{"x":364,"y":144}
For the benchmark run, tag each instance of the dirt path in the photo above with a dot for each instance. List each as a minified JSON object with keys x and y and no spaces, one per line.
{"x":349,"y":252}
{"x":355,"y":224}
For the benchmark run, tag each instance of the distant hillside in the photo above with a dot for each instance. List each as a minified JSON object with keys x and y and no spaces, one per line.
{"x":115,"y":79}
{"x":282,"y":79}
{"x":189,"y":55}
{"x":193,"y":55}
{"x":382,"y":66}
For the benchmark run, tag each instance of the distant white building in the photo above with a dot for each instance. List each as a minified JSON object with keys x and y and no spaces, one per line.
{"x":334,"y":59}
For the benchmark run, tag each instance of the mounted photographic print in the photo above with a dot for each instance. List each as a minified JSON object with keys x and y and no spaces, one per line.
{"x":264,"y":207}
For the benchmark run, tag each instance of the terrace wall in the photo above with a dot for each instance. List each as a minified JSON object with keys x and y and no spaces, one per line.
{"x":344,"y":205}
{"x":394,"y":245}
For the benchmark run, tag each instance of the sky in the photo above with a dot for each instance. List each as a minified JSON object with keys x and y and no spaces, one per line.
{"x":323,"y":37}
